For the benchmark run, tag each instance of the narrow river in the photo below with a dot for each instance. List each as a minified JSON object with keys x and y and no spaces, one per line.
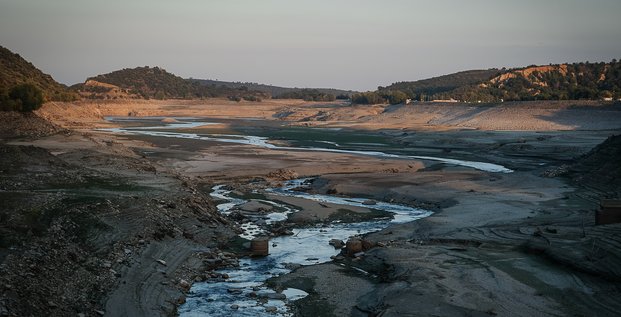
{"x":236,"y":295}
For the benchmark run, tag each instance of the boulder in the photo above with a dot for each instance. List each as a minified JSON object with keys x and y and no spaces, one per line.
{"x":337,"y":243}
{"x":353,"y":246}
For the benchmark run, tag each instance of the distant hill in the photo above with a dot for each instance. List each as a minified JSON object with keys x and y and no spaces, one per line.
{"x":276,"y":91}
{"x":140,"y":82}
{"x":15,"y":70}
{"x":427,"y":88}
{"x":553,"y":82}
{"x":155,"y":82}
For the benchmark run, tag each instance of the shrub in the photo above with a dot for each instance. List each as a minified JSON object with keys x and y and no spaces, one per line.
{"x":29,"y":96}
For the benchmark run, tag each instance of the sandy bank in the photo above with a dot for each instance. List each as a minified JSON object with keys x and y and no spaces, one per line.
{"x":523,"y":116}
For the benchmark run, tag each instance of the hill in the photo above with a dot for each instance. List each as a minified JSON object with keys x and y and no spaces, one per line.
{"x":15,"y":70}
{"x":276,"y":91}
{"x":154,"y":82}
{"x":427,"y":88}
{"x":592,"y":81}
{"x":140,"y":82}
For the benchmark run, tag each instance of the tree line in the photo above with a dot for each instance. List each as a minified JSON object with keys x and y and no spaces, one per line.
{"x":593,"y":81}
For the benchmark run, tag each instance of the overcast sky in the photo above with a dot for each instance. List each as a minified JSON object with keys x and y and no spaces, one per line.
{"x":350,"y":44}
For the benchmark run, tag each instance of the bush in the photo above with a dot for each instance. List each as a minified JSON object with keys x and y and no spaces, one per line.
{"x":29,"y":96}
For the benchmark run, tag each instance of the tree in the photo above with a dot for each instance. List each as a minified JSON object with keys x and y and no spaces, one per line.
{"x":395,"y":97}
{"x":28,"y":95}
{"x":367,"y":98}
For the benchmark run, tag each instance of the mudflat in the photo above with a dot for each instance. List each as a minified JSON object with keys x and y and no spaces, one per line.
{"x":523,"y":243}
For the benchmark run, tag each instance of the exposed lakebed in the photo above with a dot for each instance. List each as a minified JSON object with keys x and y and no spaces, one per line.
{"x":243,"y":292}
{"x":154,"y":127}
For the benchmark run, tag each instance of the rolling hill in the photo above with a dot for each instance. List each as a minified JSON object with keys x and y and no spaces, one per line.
{"x":153,"y":82}
{"x":593,"y":81}
{"x":275,"y":91}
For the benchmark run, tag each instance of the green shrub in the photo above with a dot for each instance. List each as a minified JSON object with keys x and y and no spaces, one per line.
{"x":28,"y":96}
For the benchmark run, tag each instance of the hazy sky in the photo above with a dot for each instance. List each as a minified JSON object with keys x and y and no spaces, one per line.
{"x":351,"y":44}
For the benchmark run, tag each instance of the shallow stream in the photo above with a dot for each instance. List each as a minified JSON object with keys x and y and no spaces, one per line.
{"x":306,"y":246}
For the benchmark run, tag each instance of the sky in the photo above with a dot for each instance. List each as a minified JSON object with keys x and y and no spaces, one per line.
{"x":347,"y":44}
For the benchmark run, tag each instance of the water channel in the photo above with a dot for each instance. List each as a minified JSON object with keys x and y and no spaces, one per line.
{"x":167,"y":130}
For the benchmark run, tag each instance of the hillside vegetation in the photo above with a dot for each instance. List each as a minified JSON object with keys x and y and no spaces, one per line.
{"x":592,"y":81}
{"x":317,"y":94}
{"x":15,"y":72}
{"x":154,"y":82}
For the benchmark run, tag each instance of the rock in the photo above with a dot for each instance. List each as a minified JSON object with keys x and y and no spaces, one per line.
{"x":292,"y":266}
{"x":359,"y":254}
{"x":366,"y":245}
{"x":162,"y":262}
{"x":369,"y":202}
{"x":235,"y":307}
{"x":235,"y":291}
{"x":353,"y":246}
{"x":185,"y":285}
{"x":106,"y":264}
{"x":52,"y":304}
{"x":271,"y":309}
{"x":337,"y":243}
{"x":100,"y":312}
